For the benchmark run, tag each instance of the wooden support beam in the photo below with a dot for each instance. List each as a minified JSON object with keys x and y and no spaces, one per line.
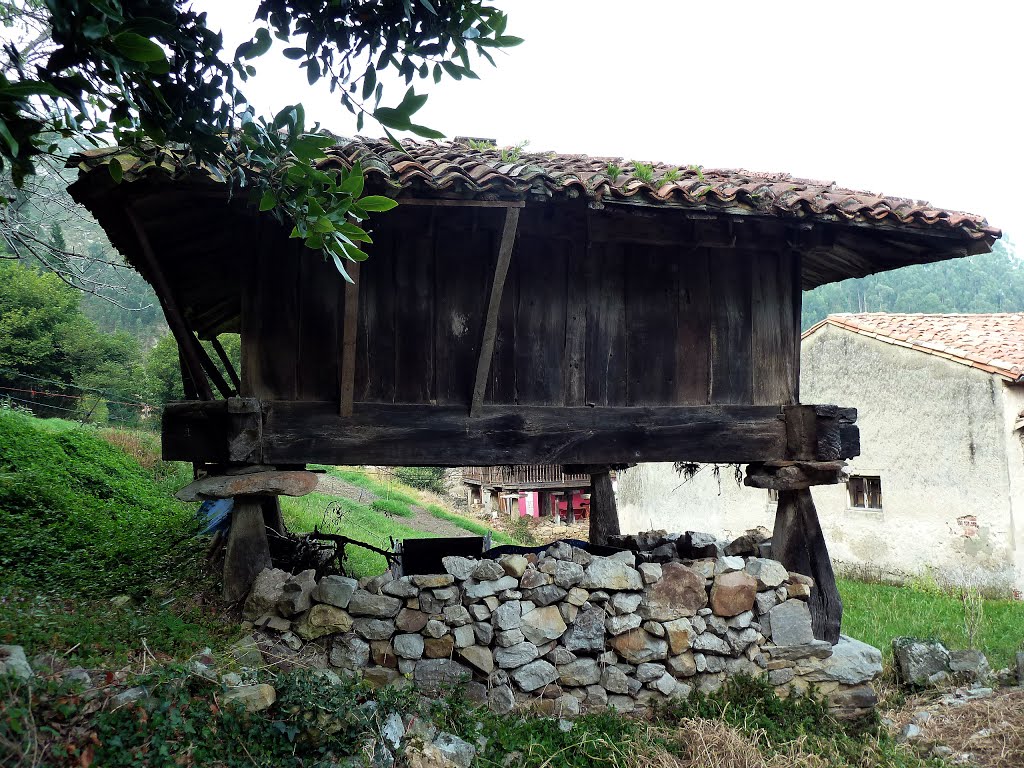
{"x":799,"y":544}
{"x":226,"y":362}
{"x":349,"y":324}
{"x":188,"y":345}
{"x":292,"y":432}
{"x":483,"y":365}
{"x":604,"y":515}
{"x":247,"y":552}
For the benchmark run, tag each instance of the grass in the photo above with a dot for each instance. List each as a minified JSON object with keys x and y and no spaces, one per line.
{"x":876,"y":613}
{"x":469,"y":525}
{"x":86,"y":514}
{"x":348,"y":518}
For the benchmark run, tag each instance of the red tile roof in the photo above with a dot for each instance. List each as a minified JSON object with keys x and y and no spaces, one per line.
{"x":458,"y":168}
{"x":993,"y":343}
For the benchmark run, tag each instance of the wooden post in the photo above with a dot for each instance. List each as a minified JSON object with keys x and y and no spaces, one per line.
{"x":247,"y":552}
{"x":604,"y":516}
{"x":544,"y":499}
{"x":799,"y":544}
{"x":349,"y":324}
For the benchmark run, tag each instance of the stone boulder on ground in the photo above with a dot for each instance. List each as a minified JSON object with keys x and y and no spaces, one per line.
{"x":920,"y":663}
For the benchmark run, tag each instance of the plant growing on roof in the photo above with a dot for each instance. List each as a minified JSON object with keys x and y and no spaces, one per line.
{"x":613,"y":171}
{"x":698,"y":170}
{"x":669,"y":176}
{"x":151,"y":72}
{"x":480,"y":145}
{"x":513,"y":153}
{"x":643,"y":171}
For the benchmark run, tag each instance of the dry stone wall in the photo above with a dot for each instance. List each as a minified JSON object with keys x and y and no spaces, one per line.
{"x":565,"y":631}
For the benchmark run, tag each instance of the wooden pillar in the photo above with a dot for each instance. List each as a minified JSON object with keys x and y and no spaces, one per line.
{"x":799,"y":544}
{"x":604,"y":516}
{"x":247,"y":552}
{"x":272,"y":517}
{"x":545,"y":499}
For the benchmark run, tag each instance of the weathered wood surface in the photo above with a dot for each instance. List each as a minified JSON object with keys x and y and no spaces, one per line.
{"x":799,"y":544}
{"x":604,"y":515}
{"x":422,"y":435}
{"x":490,"y":329}
{"x":795,"y":475}
{"x":270,"y":483}
{"x":247,"y":552}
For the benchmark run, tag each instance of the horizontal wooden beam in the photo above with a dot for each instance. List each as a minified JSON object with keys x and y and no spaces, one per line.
{"x":294,"y":433}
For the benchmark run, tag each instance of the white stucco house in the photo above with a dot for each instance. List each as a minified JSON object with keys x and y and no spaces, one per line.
{"x":939,"y":487}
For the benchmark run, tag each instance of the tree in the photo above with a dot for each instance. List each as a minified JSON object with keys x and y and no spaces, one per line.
{"x":152,"y":75}
{"x":48,"y":346}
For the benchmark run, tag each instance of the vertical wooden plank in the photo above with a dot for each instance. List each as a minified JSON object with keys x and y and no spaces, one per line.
{"x":606,"y":325}
{"x":375,"y":345}
{"x":501,"y":385}
{"x":693,"y":332}
{"x":320,"y":296}
{"x":465,"y":255}
{"x":414,"y":310}
{"x":652,"y":307}
{"x":730,"y":328}
{"x":349,"y":339}
{"x":771,"y":335}
{"x":796,"y":300}
{"x":540,"y":270}
{"x":270,"y":314}
{"x":574,"y":379}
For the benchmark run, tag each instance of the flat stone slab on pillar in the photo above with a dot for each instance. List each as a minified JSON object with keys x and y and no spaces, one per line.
{"x":270,"y":483}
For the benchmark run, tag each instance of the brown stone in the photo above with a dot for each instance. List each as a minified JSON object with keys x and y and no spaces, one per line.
{"x":733,"y":593}
{"x":383,"y":654}
{"x":438,"y":647}
{"x":679,"y":593}
{"x":638,"y":646}
{"x":799,"y":591}
{"x":679,"y":635}
{"x":409,"y":620}
{"x":321,"y":620}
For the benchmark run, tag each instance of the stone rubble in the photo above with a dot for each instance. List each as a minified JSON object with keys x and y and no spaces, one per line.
{"x":566,"y":631}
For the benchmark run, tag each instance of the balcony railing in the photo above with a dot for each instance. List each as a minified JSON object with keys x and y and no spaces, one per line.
{"x":523,"y":475}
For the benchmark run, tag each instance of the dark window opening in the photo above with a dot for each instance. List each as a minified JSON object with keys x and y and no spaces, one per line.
{"x":865,"y":492}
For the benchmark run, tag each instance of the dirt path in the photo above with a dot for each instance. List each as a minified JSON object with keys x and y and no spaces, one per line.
{"x":421,"y":520}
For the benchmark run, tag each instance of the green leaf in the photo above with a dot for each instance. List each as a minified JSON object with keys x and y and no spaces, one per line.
{"x":268,"y":201}
{"x":323,"y":225}
{"x":294,"y":53}
{"x":31,"y":88}
{"x":392,"y":118}
{"x":260,"y":45}
{"x":354,"y":253}
{"x":411,"y":103}
{"x":437,"y":73}
{"x":312,"y":71}
{"x":376,"y":203}
{"x":138,"y":48}
{"x":453,"y":70}
{"x":6,"y":135}
{"x":426,"y":4}
{"x":425,"y":132}
{"x":116,"y":171}
{"x":369,"y":82}
{"x":341,"y":268}
{"x":507,"y":41}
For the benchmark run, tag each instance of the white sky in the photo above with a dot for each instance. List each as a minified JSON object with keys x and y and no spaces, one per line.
{"x":915,"y":99}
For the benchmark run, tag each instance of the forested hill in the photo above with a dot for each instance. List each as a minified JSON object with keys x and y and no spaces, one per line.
{"x":993,"y":282}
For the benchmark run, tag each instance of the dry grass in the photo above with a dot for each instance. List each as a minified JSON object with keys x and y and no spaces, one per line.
{"x":991,"y":730}
{"x":144,"y":448}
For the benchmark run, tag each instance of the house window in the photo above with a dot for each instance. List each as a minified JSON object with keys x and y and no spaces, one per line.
{"x":865,"y":492}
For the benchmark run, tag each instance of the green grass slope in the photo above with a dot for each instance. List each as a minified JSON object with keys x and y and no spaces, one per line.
{"x":78,"y":514}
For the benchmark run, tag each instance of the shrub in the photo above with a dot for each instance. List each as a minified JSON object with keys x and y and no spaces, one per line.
{"x":392,"y":507}
{"x":424,"y":478}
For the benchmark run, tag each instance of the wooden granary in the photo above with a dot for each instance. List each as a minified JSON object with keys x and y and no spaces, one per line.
{"x":546,"y":309}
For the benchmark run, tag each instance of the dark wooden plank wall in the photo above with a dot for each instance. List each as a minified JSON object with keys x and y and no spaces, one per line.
{"x":598,"y":323}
